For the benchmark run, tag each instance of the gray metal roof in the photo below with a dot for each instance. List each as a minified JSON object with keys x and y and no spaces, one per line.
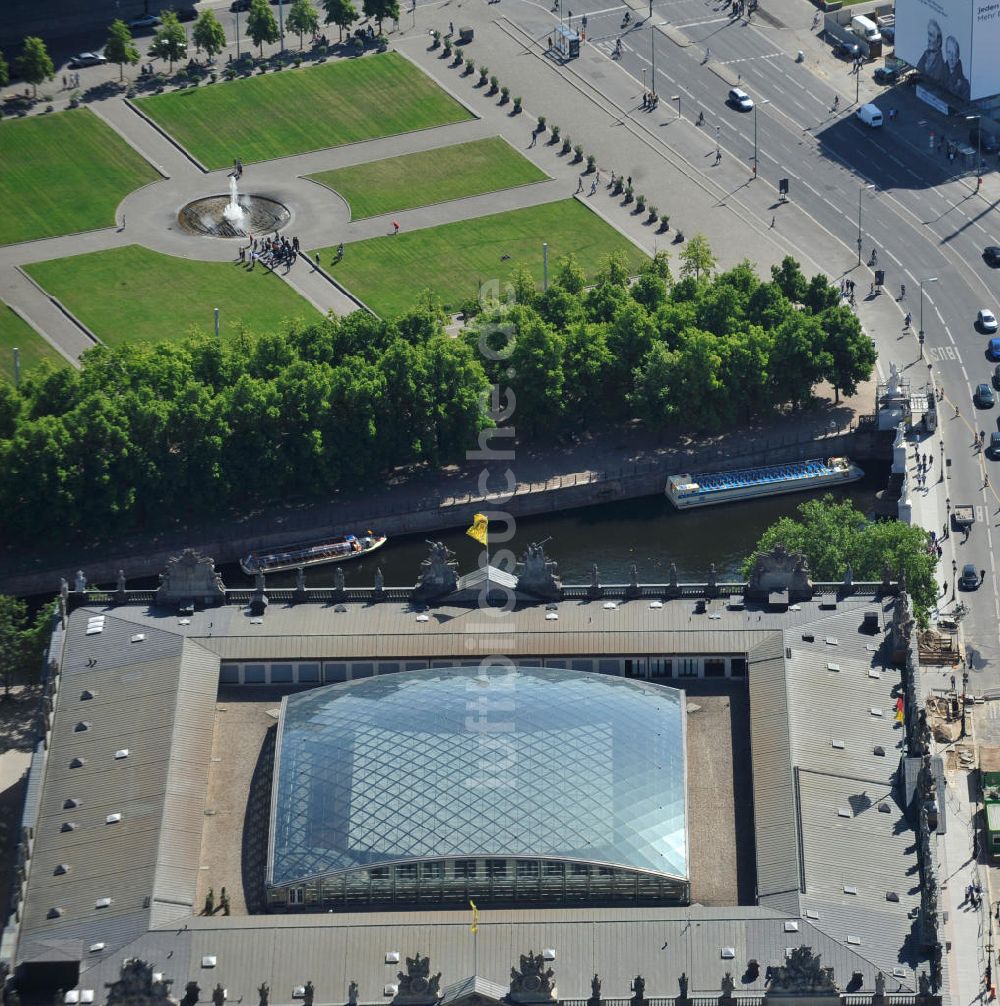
{"x":154,"y":697}
{"x":331,"y":950}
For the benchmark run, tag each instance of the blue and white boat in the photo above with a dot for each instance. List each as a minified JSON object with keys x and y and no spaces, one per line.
{"x":686,"y":491}
{"x":319,"y":553}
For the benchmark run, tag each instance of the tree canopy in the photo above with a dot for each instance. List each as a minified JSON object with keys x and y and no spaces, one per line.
{"x":170,"y":40}
{"x":342,"y":13}
{"x":208,"y":33}
{"x":4,"y":72}
{"x":22,"y":642}
{"x":381,"y":9}
{"x":34,"y":64}
{"x":119,"y":47}
{"x":302,"y":18}
{"x":833,"y":536}
{"x":261,"y":24}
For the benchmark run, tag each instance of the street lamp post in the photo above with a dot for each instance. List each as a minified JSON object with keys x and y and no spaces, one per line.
{"x":652,"y":50}
{"x":978,"y":119}
{"x":237,"y":19}
{"x":861,"y":191}
{"x":718,"y":148}
{"x":920,"y":336}
{"x":677,"y":98}
{"x":766,"y":101}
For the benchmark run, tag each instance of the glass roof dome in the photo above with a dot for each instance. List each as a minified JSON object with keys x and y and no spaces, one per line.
{"x":469,"y":762}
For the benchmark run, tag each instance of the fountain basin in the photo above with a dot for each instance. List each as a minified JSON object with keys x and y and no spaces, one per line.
{"x":207,"y":216}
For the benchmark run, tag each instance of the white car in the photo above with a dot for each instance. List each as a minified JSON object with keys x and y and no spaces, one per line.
{"x":738,"y":98}
{"x":986,"y":320}
{"x":86,"y":59}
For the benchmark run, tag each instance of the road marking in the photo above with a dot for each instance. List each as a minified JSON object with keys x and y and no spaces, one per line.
{"x":698,"y":24}
{"x":749,"y":59}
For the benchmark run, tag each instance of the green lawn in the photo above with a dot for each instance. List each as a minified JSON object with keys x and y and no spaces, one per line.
{"x":134,"y":293}
{"x":34,"y":349}
{"x":431,"y":176}
{"x":454,"y":259}
{"x":63,"y":173}
{"x":293,"y":111}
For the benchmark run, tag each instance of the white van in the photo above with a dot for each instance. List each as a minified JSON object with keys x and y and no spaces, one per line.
{"x":870,"y":115}
{"x":865,"y":28}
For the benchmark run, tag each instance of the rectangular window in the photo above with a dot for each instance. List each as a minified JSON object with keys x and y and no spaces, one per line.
{"x":660,"y":668}
{"x":580,"y":870}
{"x":432,"y":871}
{"x":465,"y":868}
{"x":738,"y":667}
{"x":414,"y":665}
{"x":496,"y":867}
{"x":582,"y":665}
{"x":253,"y":674}
{"x":715,"y":668}
{"x":362,"y":671}
{"x":688,"y":667}
{"x":527,"y":869}
{"x":560,"y":662}
{"x":609,"y":666}
{"x":388,"y":668}
{"x":552,"y":869}
{"x":406,"y":871}
{"x":229,"y":674}
{"x":308,"y":673}
{"x":281,"y":674}
{"x":334,"y":672}
{"x":296,"y":895}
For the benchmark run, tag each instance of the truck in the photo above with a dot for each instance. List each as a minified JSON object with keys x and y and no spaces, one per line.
{"x":865,"y":28}
{"x":989,"y":781}
{"x":963,"y":516}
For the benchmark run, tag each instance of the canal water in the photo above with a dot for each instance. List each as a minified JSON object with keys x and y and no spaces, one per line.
{"x":648,"y":532}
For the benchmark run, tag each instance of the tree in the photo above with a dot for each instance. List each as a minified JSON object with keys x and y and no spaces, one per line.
{"x":851,"y":352}
{"x":537,"y":359}
{"x":34,"y":64}
{"x":381,"y":9}
{"x":120,"y":48}
{"x":697,"y":258}
{"x":833,"y":536}
{"x":170,"y":40}
{"x":20,"y":652}
{"x":208,"y":34}
{"x":261,"y":24}
{"x":569,"y":275}
{"x":303,"y":18}
{"x":4,"y":72}
{"x":789,"y":279}
{"x":341,"y":13}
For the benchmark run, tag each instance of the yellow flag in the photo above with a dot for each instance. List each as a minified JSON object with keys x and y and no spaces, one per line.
{"x":474,"y":928}
{"x":478,"y":529}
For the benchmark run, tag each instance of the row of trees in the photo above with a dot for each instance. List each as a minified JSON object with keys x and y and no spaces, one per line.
{"x":704,"y":352}
{"x":833,"y":536}
{"x":145,"y":435}
{"x":22,"y":642}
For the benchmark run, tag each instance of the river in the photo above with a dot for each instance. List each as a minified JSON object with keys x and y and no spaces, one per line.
{"x":648,"y":532}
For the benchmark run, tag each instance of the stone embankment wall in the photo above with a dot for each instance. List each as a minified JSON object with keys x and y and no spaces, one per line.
{"x":410,"y":513}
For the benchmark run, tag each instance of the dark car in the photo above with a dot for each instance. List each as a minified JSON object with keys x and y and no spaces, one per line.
{"x":969,"y":580}
{"x":983,"y":396}
{"x":888,"y":33}
{"x":996,"y":376}
{"x":991,"y":255}
{"x":239,"y":5}
{"x":986,"y":142}
{"x":994,"y":449}
{"x":887,"y":75}
{"x":187,"y":14}
{"x":845,"y":50}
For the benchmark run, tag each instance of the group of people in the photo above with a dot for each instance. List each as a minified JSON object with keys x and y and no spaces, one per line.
{"x":70,"y":80}
{"x":237,"y":171}
{"x":923,"y":468}
{"x":974,"y":894}
{"x":847,"y":290}
{"x":650,"y":100}
{"x":270,"y":252}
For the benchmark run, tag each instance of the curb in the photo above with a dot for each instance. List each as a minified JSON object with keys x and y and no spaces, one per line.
{"x":129,"y":103}
{"x":62,"y":307}
{"x":41,"y":333}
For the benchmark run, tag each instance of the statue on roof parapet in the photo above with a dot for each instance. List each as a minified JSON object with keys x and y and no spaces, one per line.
{"x":135,"y":984}
{"x":780,"y":570}
{"x":438,"y":575}
{"x":352,"y":993}
{"x":728,"y":985}
{"x":801,"y":974}
{"x":263,"y":994}
{"x":638,"y":989}
{"x":190,"y":577}
{"x":537,"y":574}
{"x":417,"y":986}
{"x":80,"y":581}
{"x":534,"y":983}
{"x":595,"y":991}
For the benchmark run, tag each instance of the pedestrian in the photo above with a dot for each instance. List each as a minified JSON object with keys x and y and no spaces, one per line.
{"x":295,"y":243}
{"x":579,"y":184}
{"x":593,"y":186}
{"x":940,"y":551}
{"x":395,"y":227}
{"x":871,"y":289}
{"x":718,"y":154}
{"x":628,"y":184}
{"x":982,"y":575}
{"x":598,"y":177}
{"x":64,"y":82}
{"x":772,"y":221}
{"x":534,"y":138}
{"x":612,"y":182}
{"x":451,"y":27}
{"x":986,"y":482}
{"x":317,"y":261}
{"x":123,"y":222}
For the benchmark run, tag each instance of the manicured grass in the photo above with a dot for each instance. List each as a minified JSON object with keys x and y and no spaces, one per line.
{"x":63,"y":173}
{"x":453,"y":260}
{"x":34,"y":349}
{"x":133,"y":293}
{"x":284,"y":113}
{"x":430,"y":176}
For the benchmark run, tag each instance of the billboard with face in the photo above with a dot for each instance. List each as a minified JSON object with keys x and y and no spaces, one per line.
{"x":928,"y":31}
{"x":953,"y":43}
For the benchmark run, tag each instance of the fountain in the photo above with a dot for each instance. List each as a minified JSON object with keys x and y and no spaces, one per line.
{"x":234,"y":212}
{"x":233,"y":217}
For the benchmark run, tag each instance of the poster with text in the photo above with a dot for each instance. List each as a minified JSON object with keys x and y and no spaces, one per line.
{"x":985,"y":75}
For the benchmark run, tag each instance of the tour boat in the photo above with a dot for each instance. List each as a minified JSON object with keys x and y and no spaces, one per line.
{"x":686,"y":491}
{"x":339,"y":549}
